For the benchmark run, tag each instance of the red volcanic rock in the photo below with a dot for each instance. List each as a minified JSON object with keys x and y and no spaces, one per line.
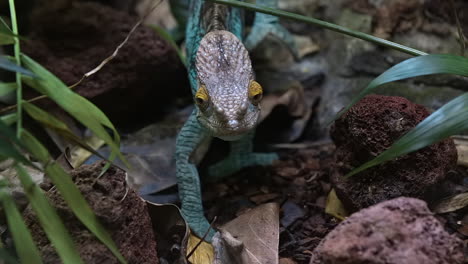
{"x":399,"y":231}
{"x":119,"y":209}
{"x":369,"y":128}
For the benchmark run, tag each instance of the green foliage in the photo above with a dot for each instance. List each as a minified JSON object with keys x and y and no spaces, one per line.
{"x":10,"y":66}
{"x":25,"y":247}
{"x":12,"y":147}
{"x":6,"y":88}
{"x":69,"y":192}
{"x":76,"y":105}
{"x":47,"y":216}
{"x":6,"y":36}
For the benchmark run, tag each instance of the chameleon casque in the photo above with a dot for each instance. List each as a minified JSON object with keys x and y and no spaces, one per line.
{"x":226,"y":96}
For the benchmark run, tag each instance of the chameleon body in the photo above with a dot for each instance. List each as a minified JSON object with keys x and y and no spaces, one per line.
{"x":226,"y":97}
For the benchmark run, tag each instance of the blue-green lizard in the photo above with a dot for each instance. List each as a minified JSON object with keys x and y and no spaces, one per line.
{"x":226,"y":96}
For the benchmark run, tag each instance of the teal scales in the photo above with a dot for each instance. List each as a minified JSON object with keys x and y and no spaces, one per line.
{"x":226,"y":97}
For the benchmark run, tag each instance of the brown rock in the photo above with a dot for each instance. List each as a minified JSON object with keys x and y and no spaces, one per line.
{"x":72,"y":39}
{"x":369,"y":128}
{"x":399,"y":231}
{"x":123,"y":214}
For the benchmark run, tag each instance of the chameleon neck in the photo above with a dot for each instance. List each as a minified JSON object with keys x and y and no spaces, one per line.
{"x":205,"y":17}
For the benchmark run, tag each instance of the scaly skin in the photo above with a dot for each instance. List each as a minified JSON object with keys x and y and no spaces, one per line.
{"x":226,"y":96}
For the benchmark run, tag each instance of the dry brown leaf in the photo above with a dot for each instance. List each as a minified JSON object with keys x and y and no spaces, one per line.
{"x":461,"y":143}
{"x":451,"y":204}
{"x":203,"y":254}
{"x":258,"y":230}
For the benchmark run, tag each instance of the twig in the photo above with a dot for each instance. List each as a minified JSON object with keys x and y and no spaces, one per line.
{"x":202,"y":239}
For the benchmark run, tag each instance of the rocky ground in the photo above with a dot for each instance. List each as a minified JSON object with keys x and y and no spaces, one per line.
{"x":144,"y":91}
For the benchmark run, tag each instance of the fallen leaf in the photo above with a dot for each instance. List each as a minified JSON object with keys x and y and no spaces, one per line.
{"x":461,"y":143}
{"x":334,"y":206}
{"x":291,"y":213}
{"x":286,"y":261}
{"x":258,"y":230}
{"x":451,"y":204}
{"x":263,"y":198}
{"x":203,"y":254}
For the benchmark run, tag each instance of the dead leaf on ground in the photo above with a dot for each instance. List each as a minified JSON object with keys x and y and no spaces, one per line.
{"x":461,"y":143}
{"x":258,"y":230}
{"x":203,"y":254}
{"x":451,"y":204}
{"x":334,"y":206}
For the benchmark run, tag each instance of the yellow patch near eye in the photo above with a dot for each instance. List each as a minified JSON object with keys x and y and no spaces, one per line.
{"x":201,"y":97}
{"x":255,"y":92}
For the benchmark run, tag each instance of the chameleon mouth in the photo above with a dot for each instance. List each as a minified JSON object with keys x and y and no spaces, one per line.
{"x":231,"y":128}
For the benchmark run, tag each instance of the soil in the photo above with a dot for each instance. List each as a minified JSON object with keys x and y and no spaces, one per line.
{"x":147,"y":72}
{"x":117,"y":208}
{"x":71,"y":40}
{"x":300,"y":182}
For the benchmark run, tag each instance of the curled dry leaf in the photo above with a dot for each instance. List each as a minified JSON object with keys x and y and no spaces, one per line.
{"x":258,"y":230}
{"x":451,"y":204}
{"x":461,"y":143}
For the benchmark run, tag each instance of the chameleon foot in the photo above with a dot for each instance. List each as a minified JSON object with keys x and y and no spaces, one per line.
{"x":198,"y":224}
{"x":267,"y":24}
{"x":235,"y":162}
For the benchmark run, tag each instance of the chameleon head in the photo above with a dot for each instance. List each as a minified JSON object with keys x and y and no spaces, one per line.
{"x":228,"y":98}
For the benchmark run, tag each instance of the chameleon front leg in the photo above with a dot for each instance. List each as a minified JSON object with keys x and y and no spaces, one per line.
{"x":190,"y":136}
{"x":240,"y":156}
{"x":267,"y":24}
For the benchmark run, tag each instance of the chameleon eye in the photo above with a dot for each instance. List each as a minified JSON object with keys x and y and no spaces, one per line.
{"x":255,"y":92}
{"x":201,"y":97}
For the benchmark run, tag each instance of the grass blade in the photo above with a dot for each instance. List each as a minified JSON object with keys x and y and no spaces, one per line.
{"x":9,"y":143}
{"x":8,"y":119}
{"x":7,"y":257}
{"x":49,"y":220}
{"x":24,"y":244}
{"x":6,"y":88}
{"x":10,"y":66}
{"x":58,"y":126}
{"x":323,"y":24}
{"x":449,"y":120}
{"x":6,"y":36}
{"x":414,"y":67}
{"x":76,"y":105}
{"x":70,"y":193}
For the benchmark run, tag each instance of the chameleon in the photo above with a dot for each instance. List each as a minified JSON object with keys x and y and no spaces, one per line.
{"x":226,"y":96}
